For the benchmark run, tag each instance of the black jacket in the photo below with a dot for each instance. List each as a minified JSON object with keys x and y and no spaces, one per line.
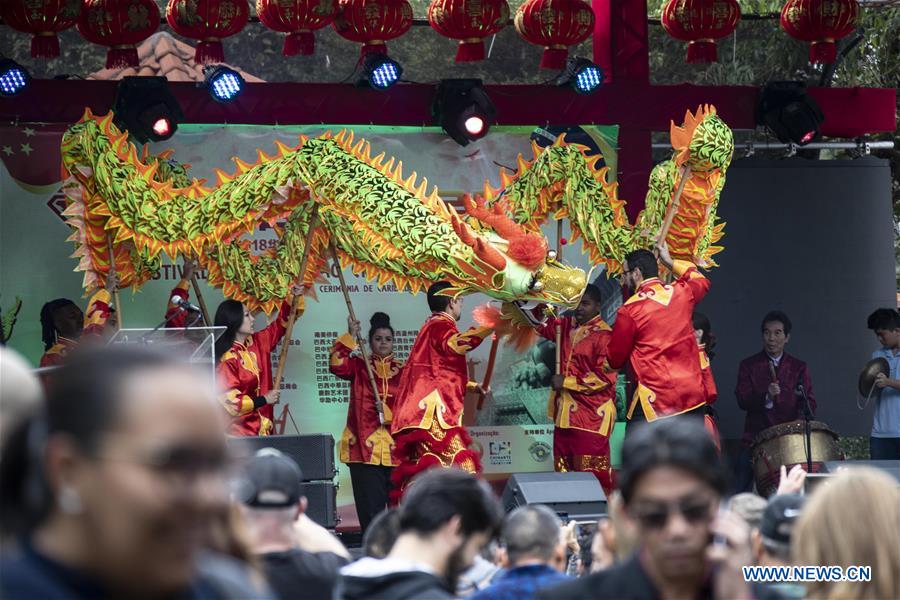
{"x":355,"y":584}
{"x":625,"y":581}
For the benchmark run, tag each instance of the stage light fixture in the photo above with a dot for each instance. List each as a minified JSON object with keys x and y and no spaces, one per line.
{"x":581,"y":75}
{"x":146,"y":109}
{"x":13,"y":77}
{"x":380,"y":71}
{"x":463,"y":109}
{"x":789,"y":113}
{"x":224,"y":84}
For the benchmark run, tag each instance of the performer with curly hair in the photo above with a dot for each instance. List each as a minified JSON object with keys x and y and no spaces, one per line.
{"x":583,"y":401}
{"x":63,"y":324}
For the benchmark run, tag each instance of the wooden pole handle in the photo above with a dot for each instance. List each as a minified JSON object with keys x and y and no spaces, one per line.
{"x":673,"y":206}
{"x":559,"y":245}
{"x":304,"y":261}
{"x":359,"y":340}
{"x":489,"y":371}
{"x":112,"y":271}
{"x":195,"y":283}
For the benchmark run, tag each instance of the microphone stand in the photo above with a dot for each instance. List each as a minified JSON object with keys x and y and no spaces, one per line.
{"x":807,"y":418}
{"x":165,"y":322}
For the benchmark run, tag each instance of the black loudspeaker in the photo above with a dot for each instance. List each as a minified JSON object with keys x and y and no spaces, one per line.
{"x":891,"y":467}
{"x":577,"y":496}
{"x":322,"y":502}
{"x":314,"y":453}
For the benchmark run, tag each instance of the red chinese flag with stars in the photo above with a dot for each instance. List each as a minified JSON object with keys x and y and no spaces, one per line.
{"x":31,"y":153}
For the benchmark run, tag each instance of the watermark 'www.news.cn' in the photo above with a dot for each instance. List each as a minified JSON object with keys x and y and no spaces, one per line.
{"x":805,"y":574}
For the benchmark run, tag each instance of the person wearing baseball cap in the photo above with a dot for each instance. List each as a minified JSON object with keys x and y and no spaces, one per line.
{"x":772,"y":545}
{"x":296,"y":553}
{"x":772,"y":540}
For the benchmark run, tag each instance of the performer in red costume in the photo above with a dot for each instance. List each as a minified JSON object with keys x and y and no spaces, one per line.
{"x":367,"y":446}
{"x":583,"y":401}
{"x":177,"y":316}
{"x":244,"y":365}
{"x":706,"y":341}
{"x":654,"y":334}
{"x":63,"y":325}
{"x":427,"y":424}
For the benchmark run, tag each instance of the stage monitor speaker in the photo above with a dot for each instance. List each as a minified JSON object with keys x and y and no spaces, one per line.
{"x":314,"y":452}
{"x":321,"y":499}
{"x":891,"y":467}
{"x":577,"y":496}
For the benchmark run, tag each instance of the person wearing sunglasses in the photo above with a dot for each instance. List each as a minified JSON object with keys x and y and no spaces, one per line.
{"x":672,"y":482}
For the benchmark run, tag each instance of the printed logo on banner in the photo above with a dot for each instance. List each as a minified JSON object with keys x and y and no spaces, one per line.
{"x":500,"y":453}
{"x":539,"y":451}
{"x":57,"y":204}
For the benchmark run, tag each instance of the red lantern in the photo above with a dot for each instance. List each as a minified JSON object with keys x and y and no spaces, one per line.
{"x":820,"y":22}
{"x":700,"y":23}
{"x":119,"y":24}
{"x":373,"y":22}
{"x":208,"y":21}
{"x":298,"y":19}
{"x":556,"y":25}
{"x":469,"y":21}
{"x":43,"y":19}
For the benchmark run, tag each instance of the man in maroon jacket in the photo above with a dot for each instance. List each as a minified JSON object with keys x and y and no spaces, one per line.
{"x":771,"y":386}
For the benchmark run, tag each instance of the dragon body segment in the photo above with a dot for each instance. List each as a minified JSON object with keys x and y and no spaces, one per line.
{"x":384,"y":225}
{"x":562,"y":181}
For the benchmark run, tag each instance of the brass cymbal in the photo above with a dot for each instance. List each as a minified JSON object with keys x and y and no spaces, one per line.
{"x":870,"y":373}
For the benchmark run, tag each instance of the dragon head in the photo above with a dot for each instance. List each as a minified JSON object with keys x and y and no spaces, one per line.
{"x":524,"y":268}
{"x":704,"y":141}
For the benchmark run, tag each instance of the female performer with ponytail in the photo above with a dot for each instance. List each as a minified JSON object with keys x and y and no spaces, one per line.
{"x":244,"y":365}
{"x":366,"y":446}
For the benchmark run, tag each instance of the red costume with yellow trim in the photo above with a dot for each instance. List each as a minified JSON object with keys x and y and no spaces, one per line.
{"x":245,"y":373}
{"x":654,"y":333}
{"x":95,"y":318}
{"x":176,"y":315}
{"x":584,"y":411}
{"x":712,"y":394}
{"x":428,"y":408}
{"x":365,"y":439}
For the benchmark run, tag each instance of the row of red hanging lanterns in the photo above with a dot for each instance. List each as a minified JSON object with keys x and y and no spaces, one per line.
{"x":702,"y":22}
{"x":554,"y":24}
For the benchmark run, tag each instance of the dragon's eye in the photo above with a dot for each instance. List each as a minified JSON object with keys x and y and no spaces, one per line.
{"x":551,"y":254}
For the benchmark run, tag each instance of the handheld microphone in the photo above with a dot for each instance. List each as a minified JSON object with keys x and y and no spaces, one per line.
{"x":181,"y":302}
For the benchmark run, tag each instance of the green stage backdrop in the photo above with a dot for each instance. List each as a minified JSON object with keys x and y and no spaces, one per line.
{"x":35,"y":265}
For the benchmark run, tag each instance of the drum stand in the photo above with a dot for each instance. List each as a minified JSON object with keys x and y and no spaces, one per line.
{"x":807,"y":429}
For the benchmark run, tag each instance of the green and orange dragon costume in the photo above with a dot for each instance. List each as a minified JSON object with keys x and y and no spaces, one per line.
{"x":382,"y":224}
{"x":127,"y":209}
